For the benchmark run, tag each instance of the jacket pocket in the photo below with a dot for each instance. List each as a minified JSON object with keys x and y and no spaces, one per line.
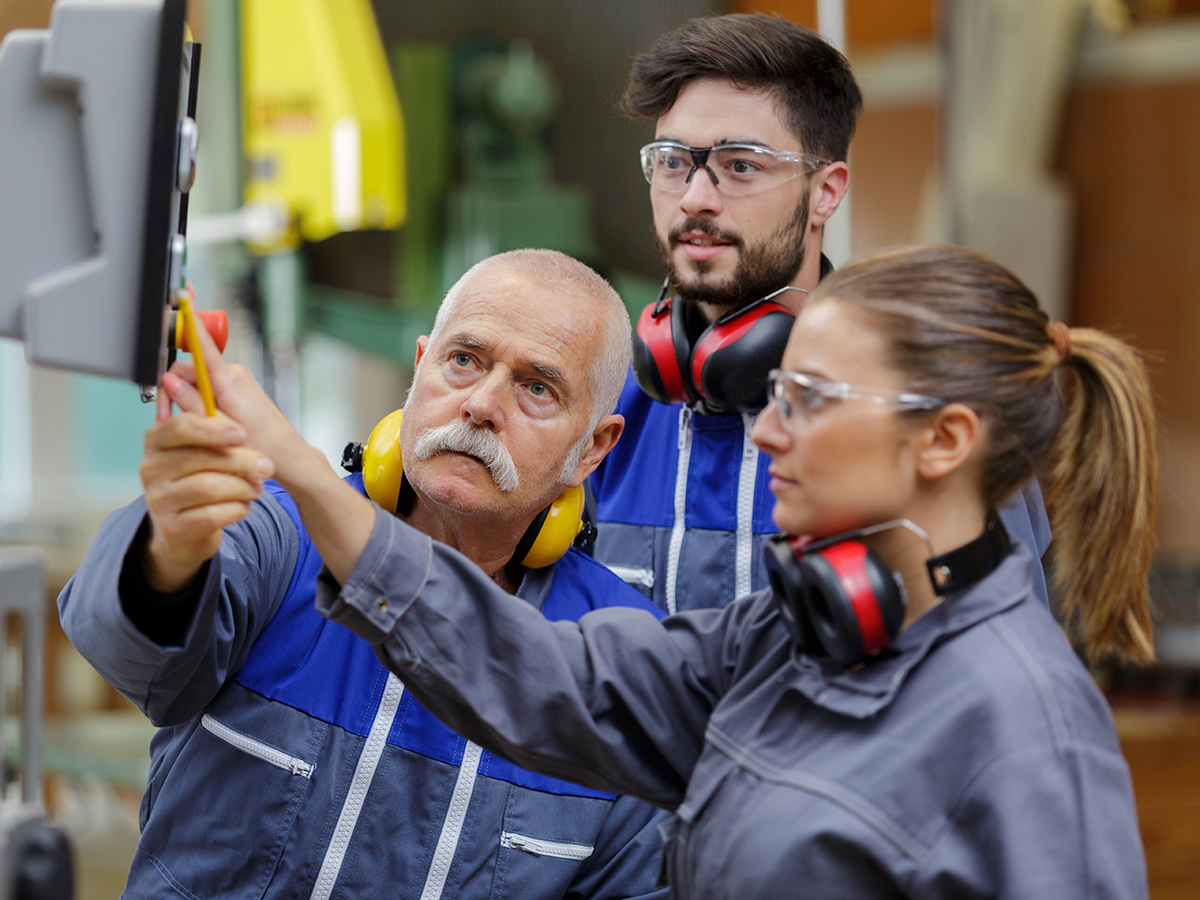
{"x":539,"y":847}
{"x":256,"y":748}
{"x":544,"y":840}
{"x":227,"y":806}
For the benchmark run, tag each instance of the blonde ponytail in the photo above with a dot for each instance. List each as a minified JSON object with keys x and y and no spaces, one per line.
{"x":1100,"y":488}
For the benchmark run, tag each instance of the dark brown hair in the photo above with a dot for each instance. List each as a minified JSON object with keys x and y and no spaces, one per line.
{"x":816,"y":92}
{"x":1078,"y":415}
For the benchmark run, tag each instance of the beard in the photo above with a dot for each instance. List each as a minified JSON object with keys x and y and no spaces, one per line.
{"x":761,"y":269}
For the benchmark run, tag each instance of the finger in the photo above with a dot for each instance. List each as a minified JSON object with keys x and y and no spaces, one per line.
{"x":199,"y":489}
{"x":189,"y":399}
{"x":162,"y":404}
{"x":185,"y":369}
{"x":183,"y":510}
{"x":200,"y":526}
{"x":166,"y":467}
{"x":203,"y":433}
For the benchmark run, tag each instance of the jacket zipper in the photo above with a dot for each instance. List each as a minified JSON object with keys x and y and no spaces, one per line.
{"x":557,"y":849}
{"x":677,"y":529}
{"x":634,"y":574}
{"x":452,"y":827}
{"x":745,"y":510}
{"x":364,"y":773}
{"x":256,"y":748}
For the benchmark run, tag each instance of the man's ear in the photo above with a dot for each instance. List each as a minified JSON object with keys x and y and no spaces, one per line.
{"x":829,"y":185}
{"x":422,"y":344}
{"x":950,"y":437}
{"x":604,"y":438}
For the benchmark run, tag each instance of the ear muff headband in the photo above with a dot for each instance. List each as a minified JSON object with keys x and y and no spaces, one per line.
{"x":549,"y":536}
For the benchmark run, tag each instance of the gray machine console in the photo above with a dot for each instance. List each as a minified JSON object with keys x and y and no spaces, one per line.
{"x":97,"y":154}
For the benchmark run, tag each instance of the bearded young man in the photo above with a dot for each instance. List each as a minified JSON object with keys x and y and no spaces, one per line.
{"x":288,"y":762}
{"x":754,"y":117}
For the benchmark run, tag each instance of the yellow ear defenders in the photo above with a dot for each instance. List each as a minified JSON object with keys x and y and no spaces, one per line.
{"x":548,"y":537}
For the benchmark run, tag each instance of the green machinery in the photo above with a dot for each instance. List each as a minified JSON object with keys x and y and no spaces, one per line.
{"x":478,"y":182}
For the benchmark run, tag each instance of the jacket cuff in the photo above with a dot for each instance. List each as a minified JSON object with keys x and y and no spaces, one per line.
{"x":388,"y":577}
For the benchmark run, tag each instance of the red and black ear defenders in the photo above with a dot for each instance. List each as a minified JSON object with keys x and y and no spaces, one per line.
{"x":726,"y":366}
{"x":839,"y":599}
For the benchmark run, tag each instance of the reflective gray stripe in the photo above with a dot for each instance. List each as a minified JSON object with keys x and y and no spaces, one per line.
{"x":256,"y":748}
{"x":452,"y":828}
{"x":745,"y":510}
{"x":677,"y":530}
{"x":633,"y":574}
{"x":557,"y":849}
{"x":364,"y":772}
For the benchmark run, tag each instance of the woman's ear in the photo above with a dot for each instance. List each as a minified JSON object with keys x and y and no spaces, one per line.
{"x":949,"y":439}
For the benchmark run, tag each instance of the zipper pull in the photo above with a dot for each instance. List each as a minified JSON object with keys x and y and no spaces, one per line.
{"x":749,"y":450}
{"x":685,"y":425}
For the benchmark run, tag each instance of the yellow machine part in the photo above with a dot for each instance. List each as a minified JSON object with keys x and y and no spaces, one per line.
{"x":322,"y":129}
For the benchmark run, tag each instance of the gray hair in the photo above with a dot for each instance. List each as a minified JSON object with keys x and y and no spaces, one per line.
{"x":561,"y":274}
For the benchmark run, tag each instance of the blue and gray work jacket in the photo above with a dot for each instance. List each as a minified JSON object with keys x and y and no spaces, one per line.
{"x":683,"y":509}
{"x":290,"y":763}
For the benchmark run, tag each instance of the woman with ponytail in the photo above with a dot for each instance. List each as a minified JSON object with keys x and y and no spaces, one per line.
{"x":898,"y":715}
{"x":1069,"y":405}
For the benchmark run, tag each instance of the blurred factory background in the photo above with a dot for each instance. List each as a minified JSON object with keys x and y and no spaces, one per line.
{"x":356,"y":157}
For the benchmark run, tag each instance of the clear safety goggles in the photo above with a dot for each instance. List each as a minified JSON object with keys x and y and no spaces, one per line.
{"x":798,"y":396}
{"x":735,"y":169}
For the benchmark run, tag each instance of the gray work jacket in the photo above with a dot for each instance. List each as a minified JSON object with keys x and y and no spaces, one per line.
{"x":977,"y":759}
{"x":289,"y":764}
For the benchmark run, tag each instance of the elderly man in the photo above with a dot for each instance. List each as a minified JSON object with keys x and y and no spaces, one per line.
{"x":753,"y":120}
{"x":289,"y":763}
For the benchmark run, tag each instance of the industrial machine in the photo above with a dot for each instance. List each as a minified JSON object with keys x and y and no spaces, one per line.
{"x":322,"y":131}
{"x":97,"y":154}
{"x":98,"y":146}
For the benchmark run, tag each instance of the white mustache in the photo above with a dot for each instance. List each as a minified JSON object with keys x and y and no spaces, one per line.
{"x":463,"y":437}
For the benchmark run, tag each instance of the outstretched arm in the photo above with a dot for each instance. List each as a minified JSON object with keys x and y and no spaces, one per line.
{"x":617,"y":701}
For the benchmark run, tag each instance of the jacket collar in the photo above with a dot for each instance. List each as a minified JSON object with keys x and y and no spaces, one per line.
{"x":535,"y":586}
{"x":866,"y":688}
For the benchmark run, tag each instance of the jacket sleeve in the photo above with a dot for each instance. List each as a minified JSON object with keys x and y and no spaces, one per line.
{"x":242,"y":589}
{"x":1083,"y":841}
{"x":617,"y":701}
